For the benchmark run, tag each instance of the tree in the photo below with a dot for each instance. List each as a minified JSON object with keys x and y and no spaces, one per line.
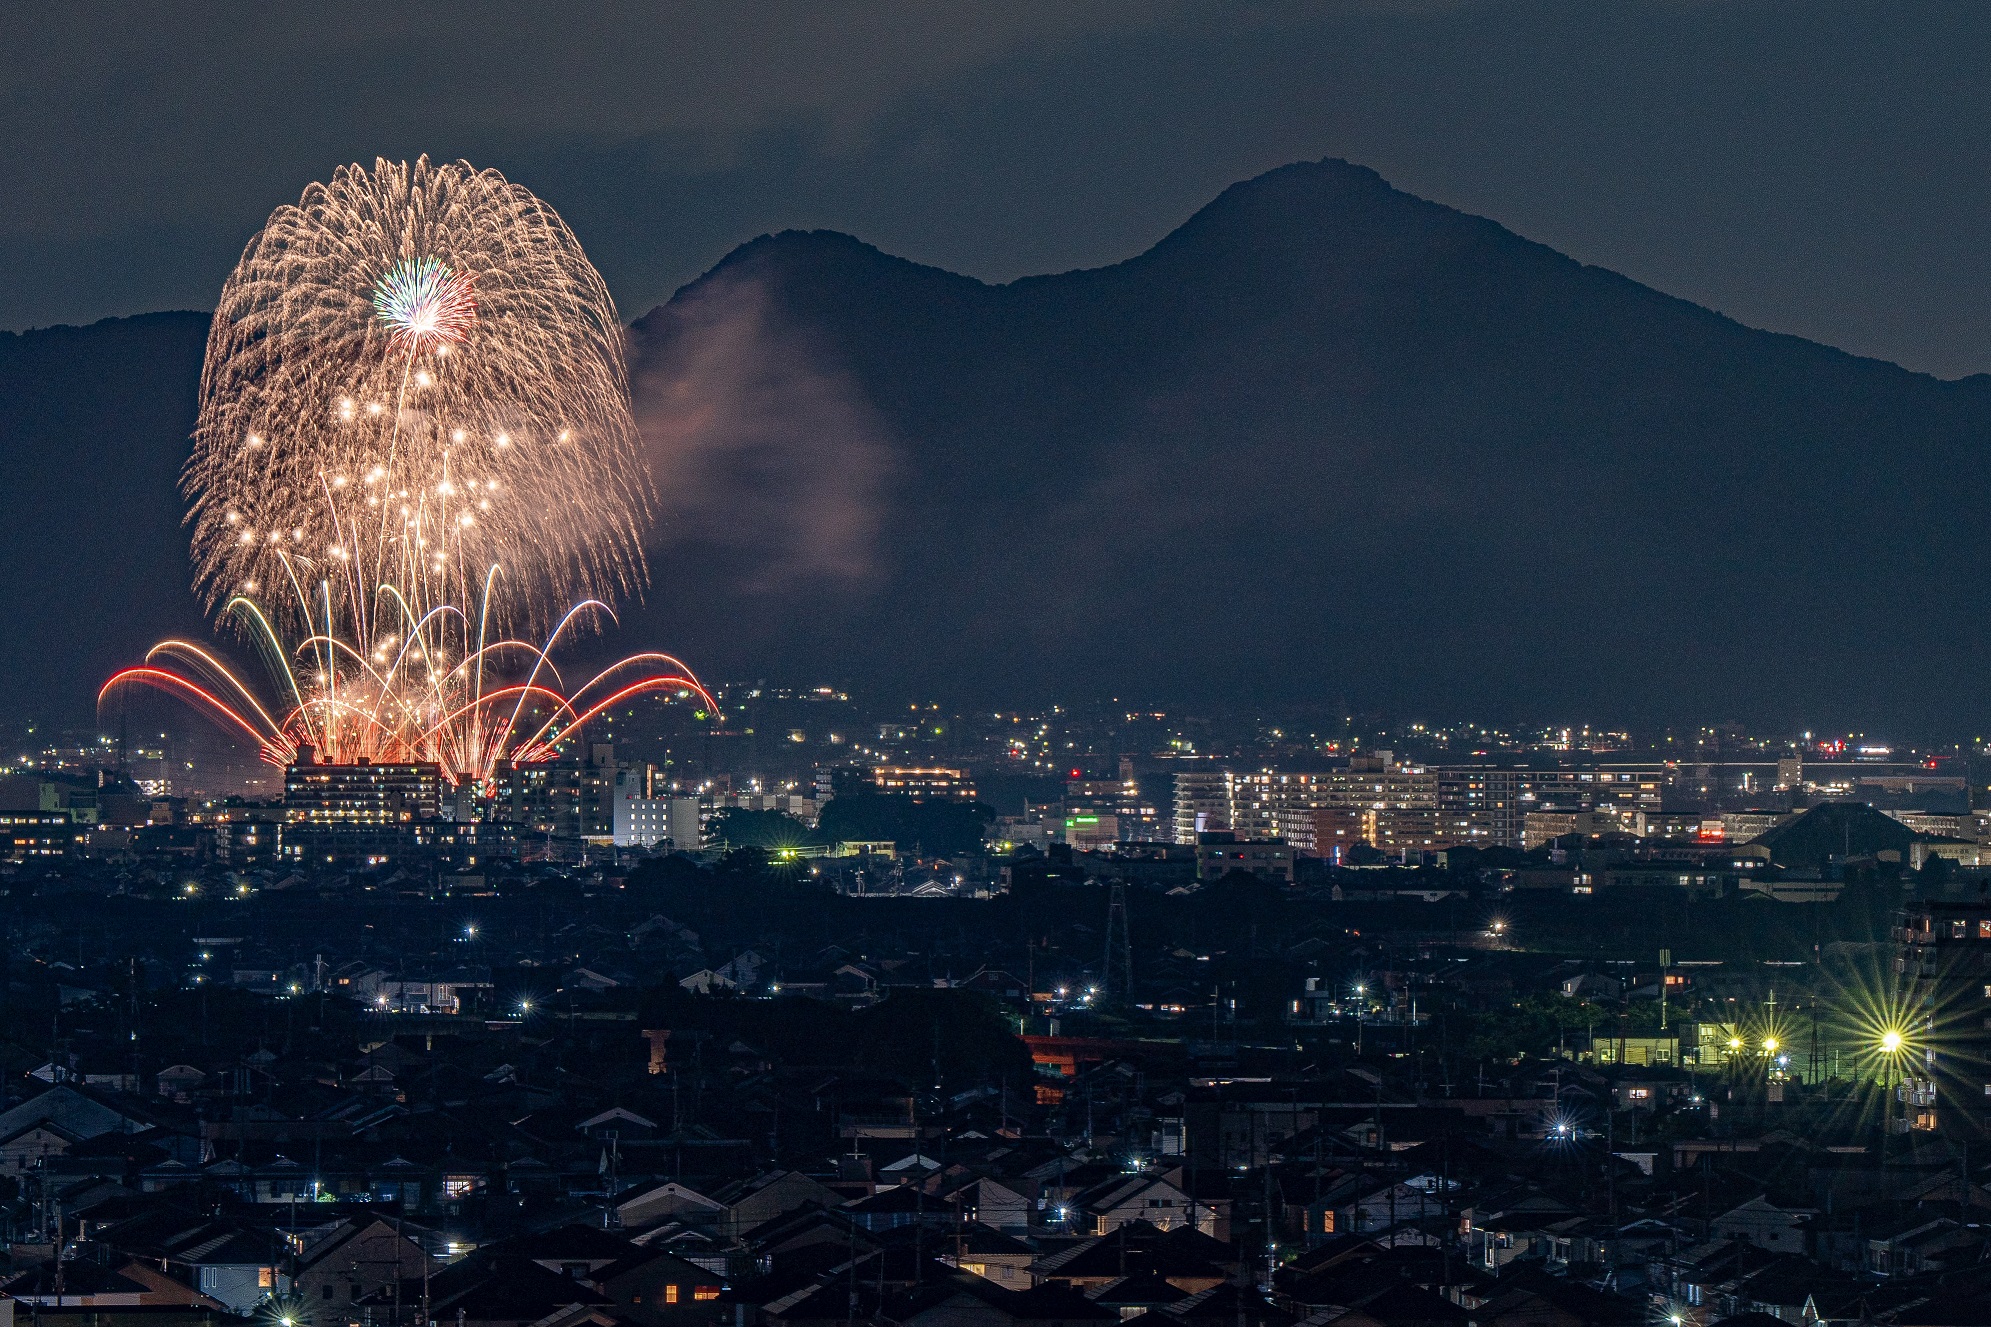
{"x":771,"y":831}
{"x":940,"y":828}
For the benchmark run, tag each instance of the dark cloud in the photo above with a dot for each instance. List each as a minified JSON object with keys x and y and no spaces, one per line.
{"x":1814,"y":166}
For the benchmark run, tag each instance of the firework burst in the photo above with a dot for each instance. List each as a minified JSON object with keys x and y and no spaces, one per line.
{"x":415,"y":472}
{"x":362,"y":415}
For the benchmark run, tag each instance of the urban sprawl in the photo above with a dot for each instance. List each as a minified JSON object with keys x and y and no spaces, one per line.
{"x":800,"y":1011}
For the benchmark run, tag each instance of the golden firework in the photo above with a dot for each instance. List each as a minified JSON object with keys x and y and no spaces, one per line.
{"x":415,"y":440}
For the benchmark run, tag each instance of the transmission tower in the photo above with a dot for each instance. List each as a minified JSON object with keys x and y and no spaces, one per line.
{"x":1118,"y":979}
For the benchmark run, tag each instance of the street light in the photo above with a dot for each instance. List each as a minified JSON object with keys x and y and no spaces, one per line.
{"x":1891,"y":1044}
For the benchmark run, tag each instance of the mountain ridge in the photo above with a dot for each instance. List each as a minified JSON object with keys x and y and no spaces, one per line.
{"x":1407,"y":313}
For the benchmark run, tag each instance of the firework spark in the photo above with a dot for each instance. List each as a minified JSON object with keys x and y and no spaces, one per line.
{"x":393,"y":477}
{"x":424,"y":301}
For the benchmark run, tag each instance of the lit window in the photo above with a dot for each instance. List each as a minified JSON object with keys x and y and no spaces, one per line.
{"x":670,"y":1294}
{"x":702,"y":1293}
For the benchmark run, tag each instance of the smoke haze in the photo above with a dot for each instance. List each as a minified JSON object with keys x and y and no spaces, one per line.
{"x":766,"y":456}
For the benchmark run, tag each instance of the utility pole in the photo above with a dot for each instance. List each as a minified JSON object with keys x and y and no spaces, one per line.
{"x":1610,"y":1164}
{"x":609,"y":1219}
{"x":1665,"y":962}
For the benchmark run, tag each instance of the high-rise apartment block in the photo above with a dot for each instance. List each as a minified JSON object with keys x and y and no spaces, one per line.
{"x":1202,"y":802}
{"x":564,"y":799}
{"x":1938,"y":1062}
{"x":361,"y":793}
{"x":1400,"y":806}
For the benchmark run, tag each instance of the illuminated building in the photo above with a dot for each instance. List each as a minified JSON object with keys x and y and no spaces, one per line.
{"x":40,"y":834}
{"x":1398,"y":802}
{"x":1376,"y":801}
{"x":1617,"y":789}
{"x":924,"y":782}
{"x":1217,"y":855}
{"x":1943,"y":1074}
{"x":1332,"y":830}
{"x":1479,"y":805}
{"x":1091,"y":831}
{"x":1400,"y":807}
{"x":1541,"y":827}
{"x":248,"y":838}
{"x":643,"y":820}
{"x":1679,"y":825}
{"x":360,"y":793}
{"x":794,"y":804}
{"x":1202,"y":803}
{"x":1256,"y":799}
{"x":566,"y":799}
{"x":1400,"y":829}
{"x":1115,"y":807}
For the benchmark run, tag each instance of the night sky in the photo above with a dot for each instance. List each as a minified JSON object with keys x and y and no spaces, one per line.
{"x":1811,"y":166}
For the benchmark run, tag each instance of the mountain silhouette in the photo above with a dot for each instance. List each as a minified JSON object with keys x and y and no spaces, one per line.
{"x":1325,"y":440}
{"x":94,"y":425}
